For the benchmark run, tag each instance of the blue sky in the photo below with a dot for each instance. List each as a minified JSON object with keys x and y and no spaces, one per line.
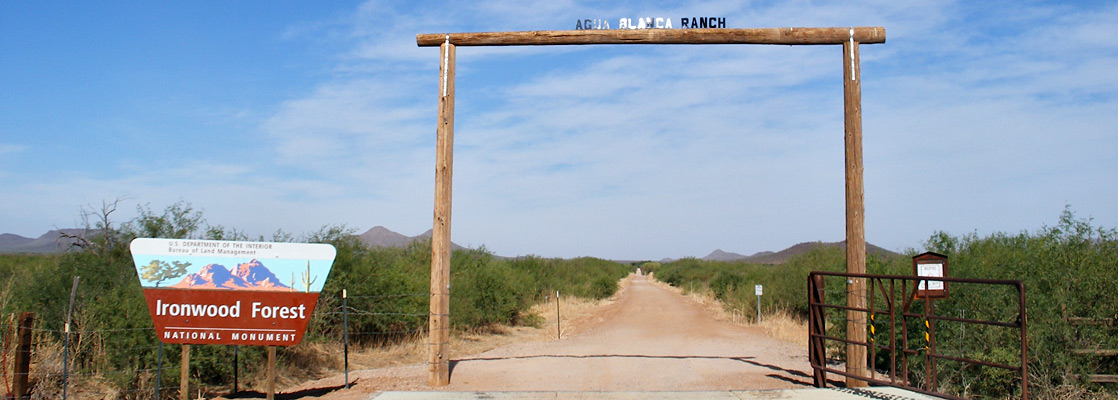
{"x":977,"y":117}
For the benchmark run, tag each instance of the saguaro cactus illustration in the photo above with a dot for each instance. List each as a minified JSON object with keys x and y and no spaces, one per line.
{"x":307,"y":280}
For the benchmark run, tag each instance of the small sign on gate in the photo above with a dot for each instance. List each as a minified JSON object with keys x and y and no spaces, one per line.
{"x":931,"y":265}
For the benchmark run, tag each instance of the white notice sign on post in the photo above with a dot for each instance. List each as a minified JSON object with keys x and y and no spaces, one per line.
{"x":931,"y":271}
{"x":758,"y":289}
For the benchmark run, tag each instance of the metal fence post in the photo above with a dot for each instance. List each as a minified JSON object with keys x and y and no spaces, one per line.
{"x":159,"y":371}
{"x":345,"y":334}
{"x":558,"y":319}
{"x":817,"y":328}
{"x":1022,"y":319}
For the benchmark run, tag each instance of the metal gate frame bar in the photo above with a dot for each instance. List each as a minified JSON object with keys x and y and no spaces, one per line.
{"x":886,"y":284}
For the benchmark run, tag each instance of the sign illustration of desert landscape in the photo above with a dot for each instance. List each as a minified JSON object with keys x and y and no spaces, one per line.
{"x":228,"y":292}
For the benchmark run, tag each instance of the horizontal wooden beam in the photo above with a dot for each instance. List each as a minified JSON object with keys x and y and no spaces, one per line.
{"x":785,"y":36}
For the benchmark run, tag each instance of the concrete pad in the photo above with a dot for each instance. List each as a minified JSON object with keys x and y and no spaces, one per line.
{"x":876,"y":393}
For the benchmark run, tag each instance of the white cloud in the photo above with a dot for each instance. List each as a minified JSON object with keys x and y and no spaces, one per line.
{"x":7,"y":149}
{"x":658,"y":151}
{"x":256,"y":202}
{"x":998,"y":133}
{"x":664,"y":151}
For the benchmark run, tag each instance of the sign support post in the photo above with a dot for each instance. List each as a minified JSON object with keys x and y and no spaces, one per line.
{"x":270,"y":386}
{"x":758,"y":290}
{"x":930,"y":265}
{"x":159,"y":371}
{"x":184,"y":373}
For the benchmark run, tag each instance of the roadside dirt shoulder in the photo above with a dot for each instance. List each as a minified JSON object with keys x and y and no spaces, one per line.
{"x":647,"y":338}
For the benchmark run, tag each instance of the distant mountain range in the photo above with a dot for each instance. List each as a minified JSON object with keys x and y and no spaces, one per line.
{"x":780,"y":257}
{"x":50,"y":242}
{"x":379,"y":236}
{"x":252,"y":275}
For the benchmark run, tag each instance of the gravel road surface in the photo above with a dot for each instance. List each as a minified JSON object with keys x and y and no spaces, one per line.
{"x":649,"y":339}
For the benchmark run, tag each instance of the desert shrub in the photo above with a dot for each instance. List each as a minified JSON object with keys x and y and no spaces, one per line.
{"x":1068,"y":271}
{"x":582,"y":277}
{"x":485,"y":292}
{"x":602,"y":287}
{"x":387,"y":291}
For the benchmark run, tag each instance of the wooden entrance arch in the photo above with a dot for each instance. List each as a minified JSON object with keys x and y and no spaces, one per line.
{"x":438,"y":359}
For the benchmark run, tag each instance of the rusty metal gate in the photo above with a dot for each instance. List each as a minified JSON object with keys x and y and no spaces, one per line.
{"x":898,"y":334}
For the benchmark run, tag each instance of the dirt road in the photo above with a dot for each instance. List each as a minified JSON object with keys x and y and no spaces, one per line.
{"x":650,"y":339}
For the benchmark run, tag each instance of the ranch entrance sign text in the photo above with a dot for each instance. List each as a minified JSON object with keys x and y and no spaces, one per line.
{"x":232,"y":293}
{"x":652,"y":23}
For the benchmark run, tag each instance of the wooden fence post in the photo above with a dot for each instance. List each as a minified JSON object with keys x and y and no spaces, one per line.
{"x":23,"y":356}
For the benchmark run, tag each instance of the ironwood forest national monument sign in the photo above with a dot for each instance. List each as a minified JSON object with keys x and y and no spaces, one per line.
{"x":231,"y":293}
{"x":849,"y":38}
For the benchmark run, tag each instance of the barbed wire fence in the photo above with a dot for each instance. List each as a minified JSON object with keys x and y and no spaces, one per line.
{"x":118,"y":363}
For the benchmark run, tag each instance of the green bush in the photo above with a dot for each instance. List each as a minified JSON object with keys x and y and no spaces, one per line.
{"x":1068,"y":271}
{"x":602,"y":287}
{"x":387,"y":295}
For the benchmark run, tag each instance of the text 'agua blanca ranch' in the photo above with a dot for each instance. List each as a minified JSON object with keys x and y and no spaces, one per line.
{"x":652,"y":23}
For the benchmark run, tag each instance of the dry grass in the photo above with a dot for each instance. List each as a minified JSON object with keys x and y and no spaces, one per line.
{"x":779,"y":325}
{"x":784,"y":326}
{"x":414,"y":350}
{"x":1067,"y":391}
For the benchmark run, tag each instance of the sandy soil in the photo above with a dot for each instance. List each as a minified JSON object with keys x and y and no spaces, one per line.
{"x":648,"y":339}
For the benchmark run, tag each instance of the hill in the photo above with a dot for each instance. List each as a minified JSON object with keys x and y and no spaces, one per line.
{"x":54,"y":242}
{"x":380,"y":236}
{"x":780,"y":257}
{"x":50,"y":242}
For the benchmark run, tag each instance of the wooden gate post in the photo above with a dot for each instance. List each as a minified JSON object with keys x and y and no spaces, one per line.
{"x":20,"y":388}
{"x":855,"y":214}
{"x":438,"y":361}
